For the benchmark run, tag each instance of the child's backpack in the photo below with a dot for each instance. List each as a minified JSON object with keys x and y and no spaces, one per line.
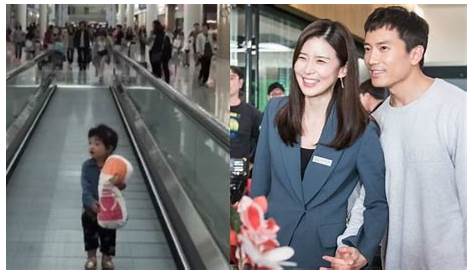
{"x":113,"y":211}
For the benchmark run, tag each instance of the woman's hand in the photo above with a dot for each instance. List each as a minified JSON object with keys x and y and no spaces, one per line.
{"x":346,"y":258}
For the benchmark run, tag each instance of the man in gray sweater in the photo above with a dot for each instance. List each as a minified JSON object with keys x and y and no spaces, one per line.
{"x":423,"y":135}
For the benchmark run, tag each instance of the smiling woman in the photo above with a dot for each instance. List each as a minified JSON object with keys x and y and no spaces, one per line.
{"x":314,"y":147}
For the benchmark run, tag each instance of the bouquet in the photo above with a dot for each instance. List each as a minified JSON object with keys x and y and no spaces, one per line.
{"x":253,"y":239}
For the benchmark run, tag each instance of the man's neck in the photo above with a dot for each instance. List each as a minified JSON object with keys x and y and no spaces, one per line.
{"x":410,"y":89}
{"x":234,"y":101}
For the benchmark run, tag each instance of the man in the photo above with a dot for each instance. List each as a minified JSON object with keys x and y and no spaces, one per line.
{"x":194,"y":33}
{"x":244,"y":120}
{"x":371,"y":97}
{"x":423,"y":125}
{"x":82,"y":40}
{"x":275,"y":90}
{"x":204,"y":53}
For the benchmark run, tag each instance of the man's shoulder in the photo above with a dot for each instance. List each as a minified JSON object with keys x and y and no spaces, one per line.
{"x":449,"y":93}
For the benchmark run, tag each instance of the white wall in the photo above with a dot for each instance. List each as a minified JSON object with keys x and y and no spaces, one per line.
{"x":447,"y":40}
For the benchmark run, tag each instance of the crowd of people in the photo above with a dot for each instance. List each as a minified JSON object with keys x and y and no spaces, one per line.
{"x":93,"y":43}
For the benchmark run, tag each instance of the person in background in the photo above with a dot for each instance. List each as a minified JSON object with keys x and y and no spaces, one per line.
{"x":275,"y":90}
{"x":82,"y":42}
{"x":142,"y":38}
{"x":244,"y":120}
{"x":69,"y":43}
{"x":371,"y":97}
{"x":19,"y":41}
{"x":204,"y":52}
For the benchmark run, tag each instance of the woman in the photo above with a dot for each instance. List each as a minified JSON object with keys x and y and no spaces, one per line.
{"x":102,"y":52}
{"x":142,"y":41}
{"x":314,"y":147}
{"x":69,"y":43}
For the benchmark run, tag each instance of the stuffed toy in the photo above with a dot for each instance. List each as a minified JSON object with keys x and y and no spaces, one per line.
{"x":115,"y":172}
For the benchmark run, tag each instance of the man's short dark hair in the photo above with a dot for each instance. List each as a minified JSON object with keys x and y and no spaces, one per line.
{"x":107,"y":135}
{"x":237,"y":71}
{"x":274,"y":86}
{"x":376,"y":92}
{"x":412,"y":29}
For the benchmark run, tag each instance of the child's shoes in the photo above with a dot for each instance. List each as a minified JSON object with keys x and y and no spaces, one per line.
{"x":107,"y":263}
{"x":91,"y":264}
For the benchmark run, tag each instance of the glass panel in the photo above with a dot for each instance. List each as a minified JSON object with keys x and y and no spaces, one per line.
{"x":198,"y":159}
{"x":278,"y":35}
{"x":20,"y":87}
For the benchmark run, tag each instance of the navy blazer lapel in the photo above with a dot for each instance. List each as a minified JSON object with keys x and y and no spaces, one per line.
{"x":319,"y":168}
{"x":291,"y":157}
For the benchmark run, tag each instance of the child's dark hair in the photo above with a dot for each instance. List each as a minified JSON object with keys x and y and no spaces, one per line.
{"x":107,"y":135}
{"x":412,"y":29}
{"x":274,"y":86}
{"x":376,"y":92}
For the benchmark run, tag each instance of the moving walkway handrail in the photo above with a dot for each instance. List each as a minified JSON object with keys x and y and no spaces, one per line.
{"x":14,"y":72}
{"x":195,"y":111}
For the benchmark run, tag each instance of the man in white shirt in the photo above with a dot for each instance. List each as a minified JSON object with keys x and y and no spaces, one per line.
{"x":423,"y":135}
{"x":204,"y":53}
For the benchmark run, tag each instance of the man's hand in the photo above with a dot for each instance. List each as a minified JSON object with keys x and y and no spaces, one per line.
{"x":346,"y":258}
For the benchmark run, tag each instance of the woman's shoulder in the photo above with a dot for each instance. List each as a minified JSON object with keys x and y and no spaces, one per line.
{"x":277,"y":103}
{"x":371,"y":133}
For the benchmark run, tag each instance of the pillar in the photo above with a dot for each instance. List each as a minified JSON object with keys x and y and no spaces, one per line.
{"x":130,"y":11}
{"x":192,"y":13}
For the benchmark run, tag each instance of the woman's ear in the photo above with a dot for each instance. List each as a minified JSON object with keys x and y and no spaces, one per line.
{"x":342,"y":72}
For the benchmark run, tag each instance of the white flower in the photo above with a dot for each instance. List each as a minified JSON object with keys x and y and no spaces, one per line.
{"x":272,"y":259}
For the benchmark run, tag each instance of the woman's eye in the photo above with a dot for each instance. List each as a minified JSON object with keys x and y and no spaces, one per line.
{"x":367,"y":49}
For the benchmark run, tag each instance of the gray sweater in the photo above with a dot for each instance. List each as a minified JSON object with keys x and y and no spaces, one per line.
{"x":424,"y":145}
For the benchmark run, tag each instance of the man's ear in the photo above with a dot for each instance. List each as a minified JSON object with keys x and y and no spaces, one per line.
{"x":416,"y":54}
{"x":241,"y":83}
{"x":342,"y":71}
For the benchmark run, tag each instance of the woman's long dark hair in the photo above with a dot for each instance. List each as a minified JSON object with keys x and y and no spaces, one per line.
{"x":351,"y":117}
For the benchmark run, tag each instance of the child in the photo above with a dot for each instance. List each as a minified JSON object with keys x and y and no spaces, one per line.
{"x":102,"y":142}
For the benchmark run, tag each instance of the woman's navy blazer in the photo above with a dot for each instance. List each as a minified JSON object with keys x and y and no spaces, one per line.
{"x":312,"y":213}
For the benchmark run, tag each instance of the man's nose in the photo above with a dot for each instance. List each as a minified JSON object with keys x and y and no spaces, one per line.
{"x":371,"y":58}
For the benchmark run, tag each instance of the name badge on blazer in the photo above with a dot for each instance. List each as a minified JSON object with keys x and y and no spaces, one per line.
{"x":322,"y":161}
